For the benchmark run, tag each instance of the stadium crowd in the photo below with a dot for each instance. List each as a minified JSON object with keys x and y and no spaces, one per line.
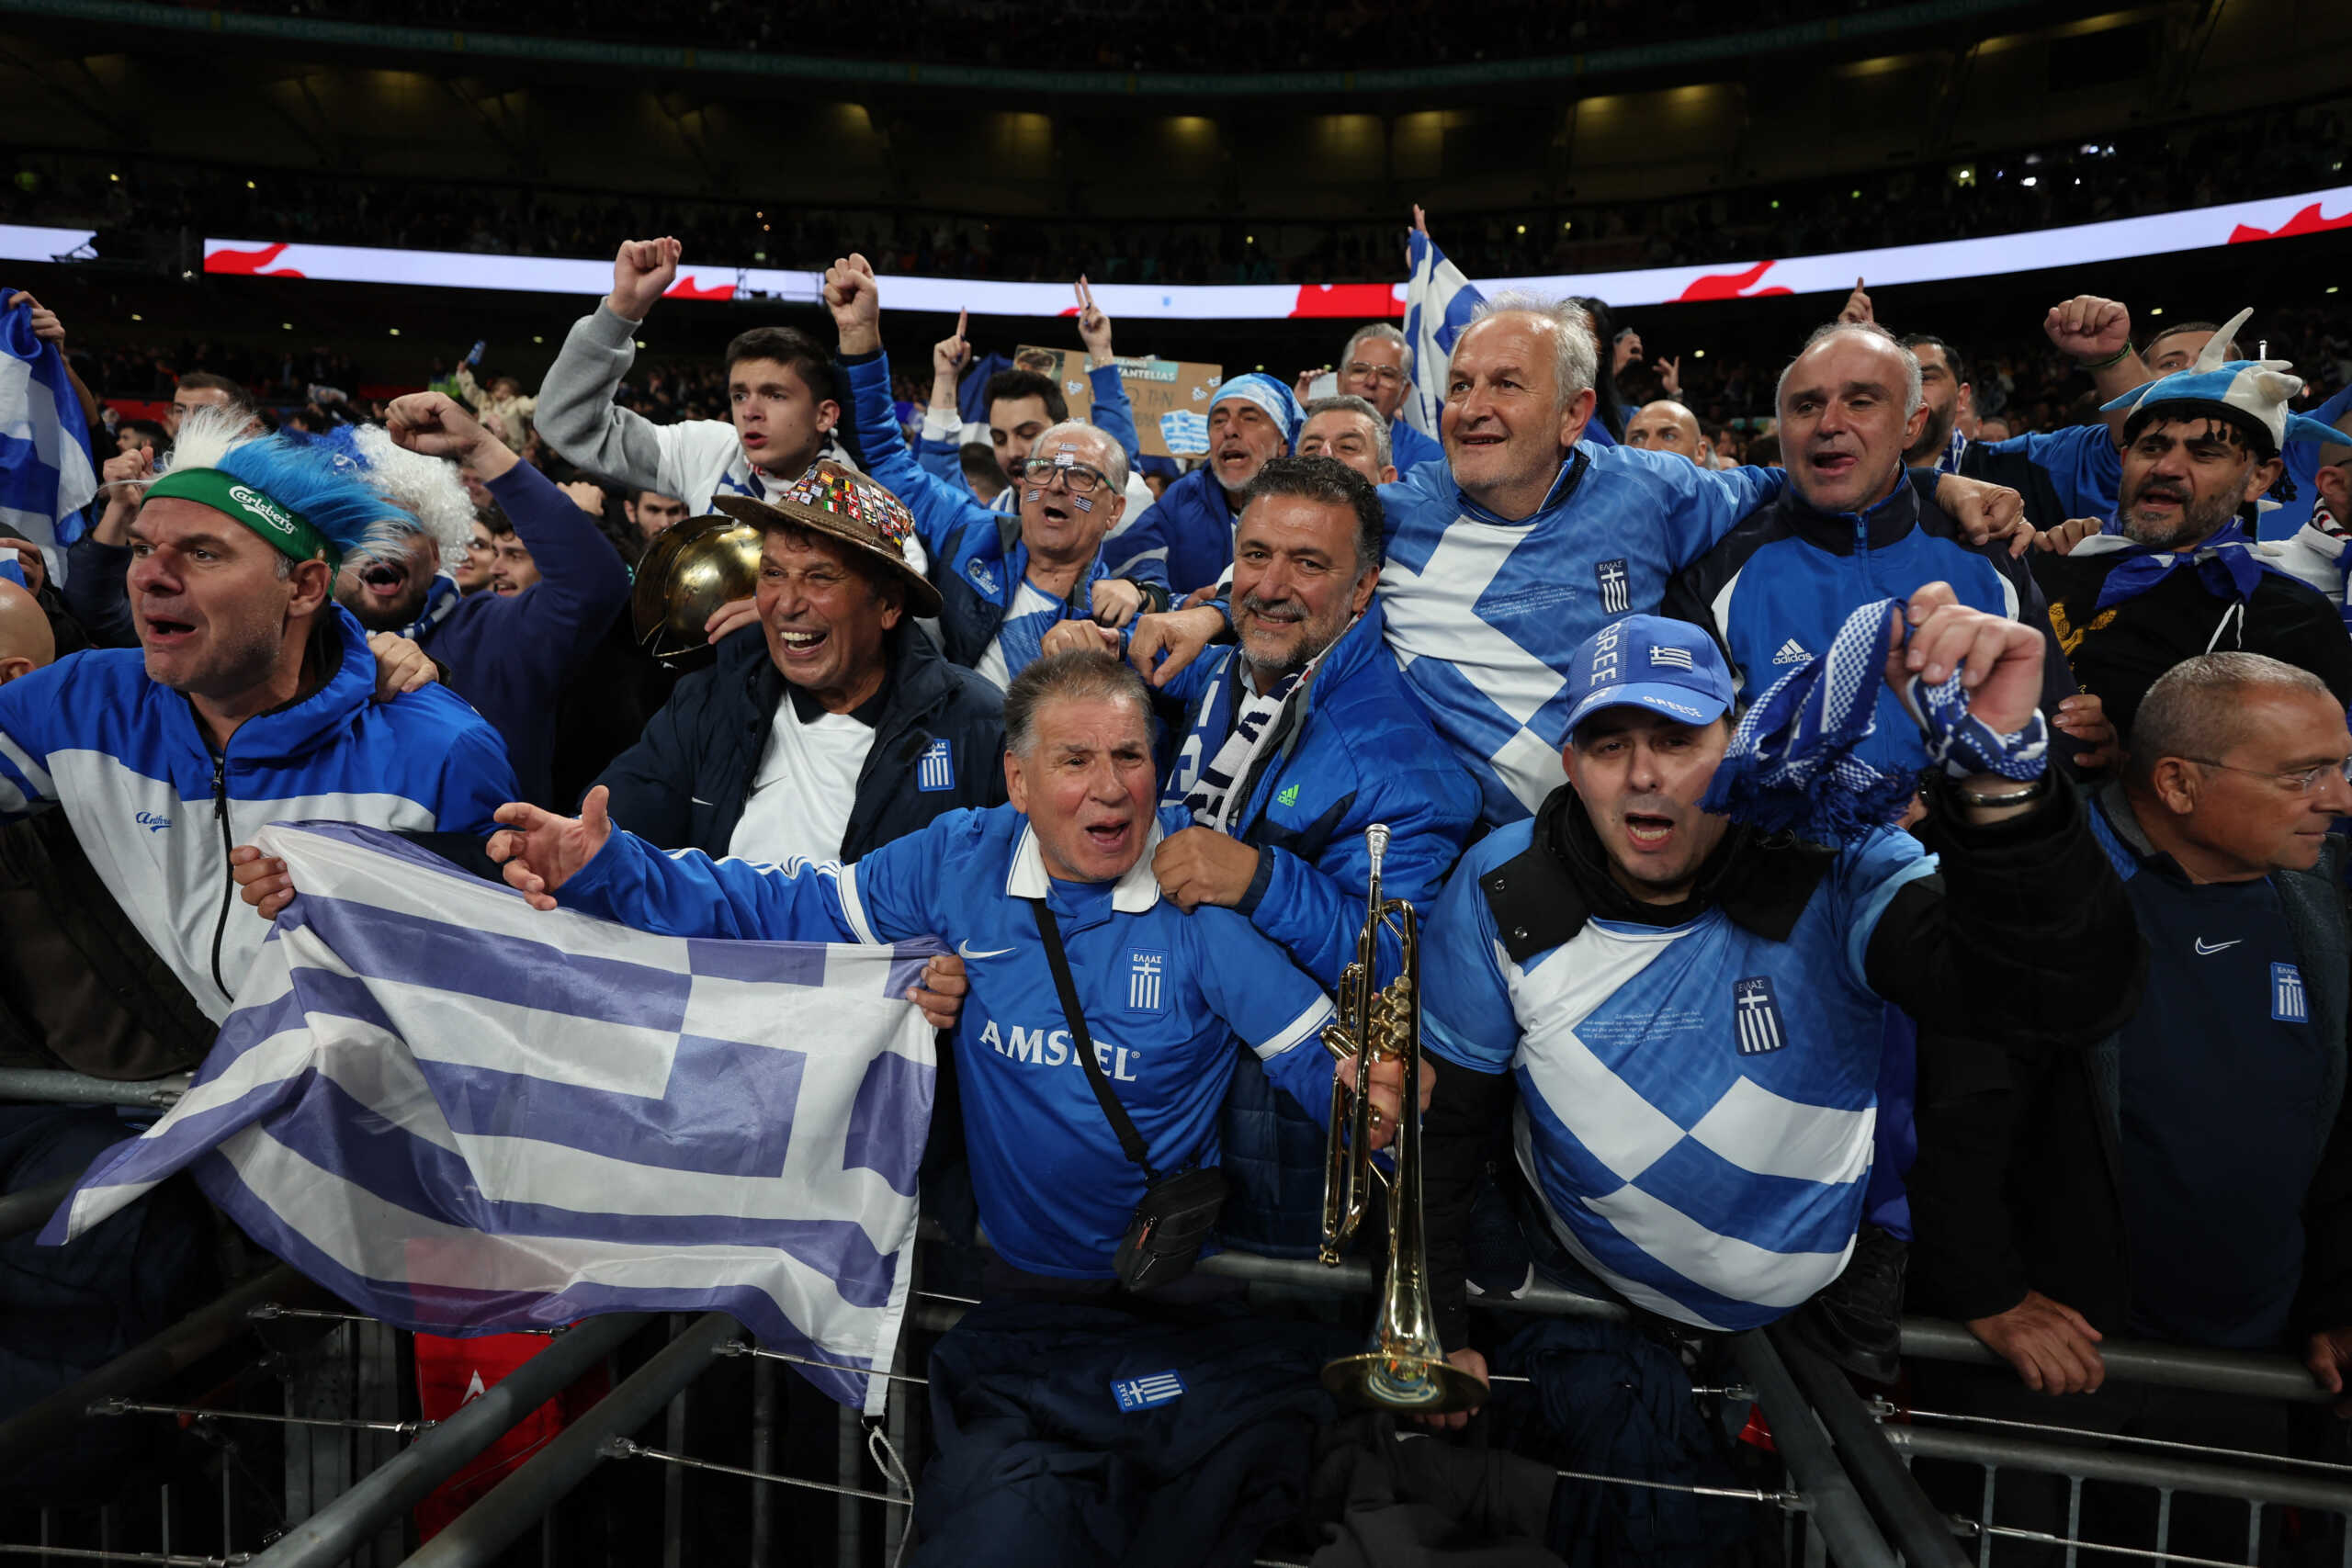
{"x":1804,"y":810}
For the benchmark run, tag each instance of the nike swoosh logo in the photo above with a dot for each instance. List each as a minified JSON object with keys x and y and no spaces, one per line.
{"x":963,"y":950}
{"x":2205,"y":952}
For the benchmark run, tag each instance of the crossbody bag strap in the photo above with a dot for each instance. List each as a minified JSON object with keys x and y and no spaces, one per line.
{"x":1049,"y":931}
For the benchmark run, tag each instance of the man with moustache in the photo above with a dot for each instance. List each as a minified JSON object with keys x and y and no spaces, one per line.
{"x":2179,"y":575}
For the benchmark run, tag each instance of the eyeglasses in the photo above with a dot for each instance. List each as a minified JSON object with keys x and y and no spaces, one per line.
{"x":1376,"y":372}
{"x":1077,"y":478}
{"x":2306,"y":780}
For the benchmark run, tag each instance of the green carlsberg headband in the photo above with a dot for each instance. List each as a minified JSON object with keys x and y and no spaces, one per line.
{"x":284,"y":530}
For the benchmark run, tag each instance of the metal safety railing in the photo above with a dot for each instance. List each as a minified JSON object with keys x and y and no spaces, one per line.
{"x":1846,"y":1496}
{"x":2147,"y":1478}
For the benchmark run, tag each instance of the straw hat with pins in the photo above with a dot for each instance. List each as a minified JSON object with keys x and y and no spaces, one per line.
{"x":844,"y":504}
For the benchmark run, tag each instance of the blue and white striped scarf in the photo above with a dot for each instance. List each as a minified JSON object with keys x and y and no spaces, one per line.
{"x":1791,"y":763}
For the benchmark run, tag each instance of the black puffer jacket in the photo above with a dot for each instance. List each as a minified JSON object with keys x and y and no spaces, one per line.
{"x":681,"y":786}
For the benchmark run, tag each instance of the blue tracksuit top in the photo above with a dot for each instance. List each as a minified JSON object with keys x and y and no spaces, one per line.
{"x":1485,"y":613}
{"x":1776,"y":590}
{"x":1409,"y":449}
{"x":1164,"y":994}
{"x":1197,"y":528}
{"x":1137,"y":537}
{"x":977,"y":558}
{"x":158,"y":812}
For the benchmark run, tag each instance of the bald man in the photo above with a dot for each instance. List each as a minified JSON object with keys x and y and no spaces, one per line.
{"x":26,"y":642}
{"x":1666,"y":426}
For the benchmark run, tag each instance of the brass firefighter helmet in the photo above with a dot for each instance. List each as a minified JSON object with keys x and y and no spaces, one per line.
{"x":686,"y":575}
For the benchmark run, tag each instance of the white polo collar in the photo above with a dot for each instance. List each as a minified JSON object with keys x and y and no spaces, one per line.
{"x":1136,"y":892}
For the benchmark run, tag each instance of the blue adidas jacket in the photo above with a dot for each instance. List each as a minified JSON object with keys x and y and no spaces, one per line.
{"x":977,"y":555}
{"x":1776,"y":590}
{"x":1361,"y":753}
{"x":157,"y":813}
{"x":1164,"y":993}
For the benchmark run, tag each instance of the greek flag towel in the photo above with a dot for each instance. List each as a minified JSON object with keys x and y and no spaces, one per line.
{"x":463,"y":1115}
{"x":46,"y":475}
{"x":1438,"y":303}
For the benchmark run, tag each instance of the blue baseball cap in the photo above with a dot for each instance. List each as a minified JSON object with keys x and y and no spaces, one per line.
{"x":1648,"y":661}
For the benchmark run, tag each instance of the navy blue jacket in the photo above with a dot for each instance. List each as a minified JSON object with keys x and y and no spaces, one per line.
{"x":1197,"y":527}
{"x":1071,"y":1436}
{"x":683,"y":785}
{"x":977,"y":558}
{"x":1776,"y":589}
{"x":511,"y":657}
{"x":1362,"y":752}
{"x":1409,"y":449}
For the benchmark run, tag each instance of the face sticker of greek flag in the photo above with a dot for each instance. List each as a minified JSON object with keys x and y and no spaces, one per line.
{"x":936,"y":770}
{"x":2287,"y":1001}
{"x":1757,"y":1016}
{"x":1616,"y":586}
{"x":1142,"y":1394}
{"x":1143,"y":981}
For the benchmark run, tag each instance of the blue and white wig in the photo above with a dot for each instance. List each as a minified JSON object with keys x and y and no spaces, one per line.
{"x":330,"y":491}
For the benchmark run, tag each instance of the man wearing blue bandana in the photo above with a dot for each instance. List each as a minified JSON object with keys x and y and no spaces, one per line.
{"x":2178,"y":575}
{"x":1251,"y":418}
{"x":1003,"y":581}
{"x":1675,"y":1018}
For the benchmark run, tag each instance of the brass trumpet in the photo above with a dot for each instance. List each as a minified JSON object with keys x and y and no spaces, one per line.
{"x":1406,"y":1368}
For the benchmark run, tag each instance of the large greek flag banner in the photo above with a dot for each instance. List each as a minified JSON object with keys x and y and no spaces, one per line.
{"x":1438,"y":303}
{"x":461,"y":1114}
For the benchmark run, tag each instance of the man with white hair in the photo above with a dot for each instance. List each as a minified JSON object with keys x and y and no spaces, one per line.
{"x":1003,"y":581}
{"x":1529,"y":541}
{"x":1849,"y":528}
{"x":1349,"y":430}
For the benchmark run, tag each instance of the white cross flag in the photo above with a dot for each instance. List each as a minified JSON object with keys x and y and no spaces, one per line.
{"x":463,"y":1115}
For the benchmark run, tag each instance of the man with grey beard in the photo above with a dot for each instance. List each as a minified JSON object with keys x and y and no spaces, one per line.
{"x":2176,"y":574}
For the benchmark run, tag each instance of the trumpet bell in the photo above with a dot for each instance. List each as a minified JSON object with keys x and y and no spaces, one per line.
{"x":1401,"y":1381}
{"x":686,"y":575}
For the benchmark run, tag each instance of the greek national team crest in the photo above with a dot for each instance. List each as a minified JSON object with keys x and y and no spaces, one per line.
{"x":936,"y":768}
{"x":1616,"y":586}
{"x":1758,"y":1014}
{"x":983,"y":577}
{"x":2287,"y":1002}
{"x":1142,"y":1394}
{"x":1143,"y":981}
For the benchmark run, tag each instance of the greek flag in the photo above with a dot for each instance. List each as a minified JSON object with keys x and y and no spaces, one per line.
{"x":46,"y":475}
{"x":1438,"y":302}
{"x":463,"y":1115}
{"x":1185,"y":433}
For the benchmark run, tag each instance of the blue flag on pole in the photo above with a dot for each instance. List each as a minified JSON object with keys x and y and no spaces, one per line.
{"x":1437,"y":304}
{"x":45,"y":472}
{"x":463,"y":1115}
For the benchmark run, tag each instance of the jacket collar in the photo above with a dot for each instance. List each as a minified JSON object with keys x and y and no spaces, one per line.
{"x":1544,"y":897}
{"x":1136,"y":892}
{"x":1883,"y":524}
{"x":324,"y":716}
{"x":1564,"y":487}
